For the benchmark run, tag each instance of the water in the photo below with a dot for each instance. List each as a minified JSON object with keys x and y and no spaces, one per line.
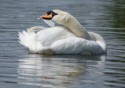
{"x":18,"y":68}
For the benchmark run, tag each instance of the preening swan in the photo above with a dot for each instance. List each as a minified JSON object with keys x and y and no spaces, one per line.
{"x":71,"y":38}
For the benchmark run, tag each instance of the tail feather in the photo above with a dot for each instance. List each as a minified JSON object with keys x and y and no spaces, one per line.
{"x":28,"y":39}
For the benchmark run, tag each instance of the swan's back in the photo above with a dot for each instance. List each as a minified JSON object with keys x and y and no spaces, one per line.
{"x":51,"y":35}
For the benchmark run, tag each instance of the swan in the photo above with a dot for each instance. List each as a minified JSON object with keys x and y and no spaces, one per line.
{"x":70,"y":38}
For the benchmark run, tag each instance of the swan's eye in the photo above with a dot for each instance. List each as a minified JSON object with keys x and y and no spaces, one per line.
{"x":51,"y":12}
{"x":49,"y":15}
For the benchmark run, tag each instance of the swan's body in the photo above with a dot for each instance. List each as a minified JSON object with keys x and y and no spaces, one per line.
{"x":72,"y":38}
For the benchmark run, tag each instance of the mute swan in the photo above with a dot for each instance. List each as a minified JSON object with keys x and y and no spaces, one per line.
{"x":71,"y":38}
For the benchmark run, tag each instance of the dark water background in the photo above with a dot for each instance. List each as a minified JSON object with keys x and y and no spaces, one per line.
{"x":19,"y":69}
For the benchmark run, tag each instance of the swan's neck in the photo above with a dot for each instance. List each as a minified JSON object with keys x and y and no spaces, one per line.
{"x":76,"y":28}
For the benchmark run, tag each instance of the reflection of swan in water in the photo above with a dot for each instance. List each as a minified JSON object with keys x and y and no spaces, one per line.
{"x":52,"y":72}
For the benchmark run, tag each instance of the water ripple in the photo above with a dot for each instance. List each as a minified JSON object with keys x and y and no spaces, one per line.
{"x":18,"y":68}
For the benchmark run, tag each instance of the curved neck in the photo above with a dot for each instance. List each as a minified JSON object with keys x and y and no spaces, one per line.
{"x":76,"y":28}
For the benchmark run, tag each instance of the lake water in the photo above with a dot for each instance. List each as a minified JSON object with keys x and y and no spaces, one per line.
{"x":19,"y":69}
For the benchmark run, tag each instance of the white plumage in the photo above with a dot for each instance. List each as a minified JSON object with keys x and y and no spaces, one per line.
{"x":71,"y":38}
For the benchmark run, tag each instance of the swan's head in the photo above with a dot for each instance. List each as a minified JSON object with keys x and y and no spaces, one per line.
{"x":58,"y":16}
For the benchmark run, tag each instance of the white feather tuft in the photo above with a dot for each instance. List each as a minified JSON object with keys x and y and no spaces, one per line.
{"x":28,"y":39}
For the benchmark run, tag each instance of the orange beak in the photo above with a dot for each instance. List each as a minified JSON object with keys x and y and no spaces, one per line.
{"x":46,"y":16}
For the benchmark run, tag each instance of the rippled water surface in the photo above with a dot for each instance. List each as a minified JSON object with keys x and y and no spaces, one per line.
{"x":20,"y":69}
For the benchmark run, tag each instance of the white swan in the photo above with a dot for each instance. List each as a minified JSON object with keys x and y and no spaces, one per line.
{"x":71,"y":38}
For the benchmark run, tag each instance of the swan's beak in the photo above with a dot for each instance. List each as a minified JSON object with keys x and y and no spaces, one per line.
{"x":47,"y":17}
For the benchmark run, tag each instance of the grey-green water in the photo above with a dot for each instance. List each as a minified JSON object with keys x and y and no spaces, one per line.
{"x":20,"y":69}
